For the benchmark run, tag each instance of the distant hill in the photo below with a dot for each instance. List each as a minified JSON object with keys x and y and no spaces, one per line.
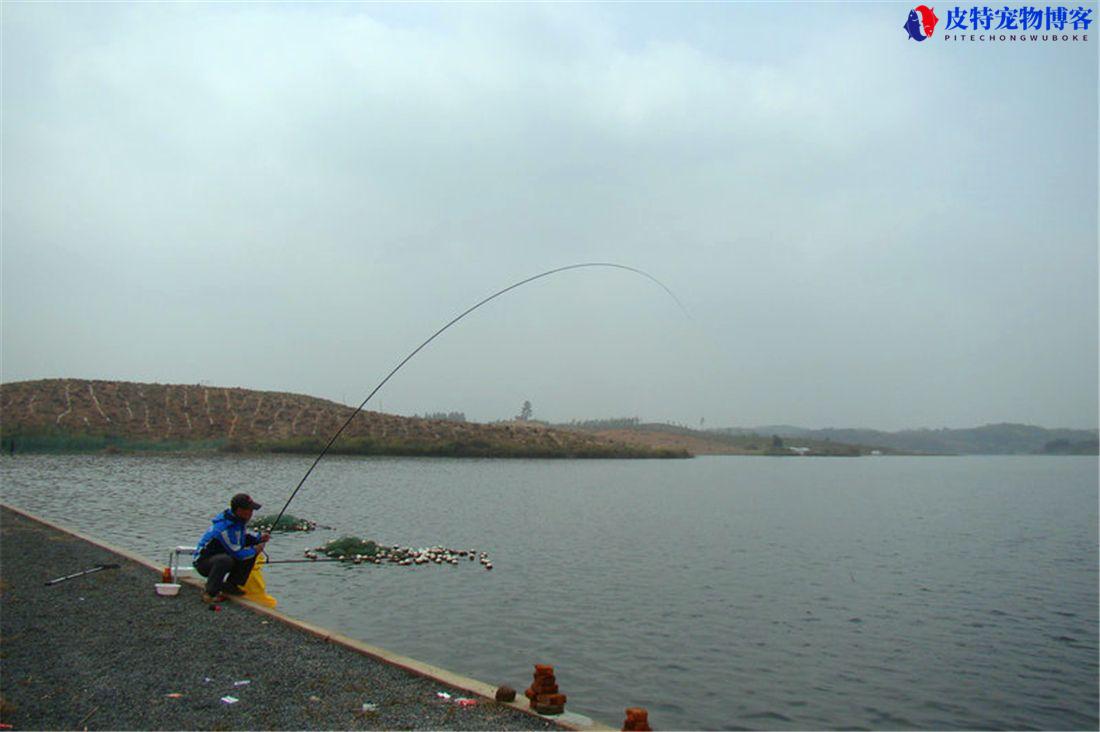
{"x":713,"y":442}
{"x":992,"y":439}
{"x":77,"y":414}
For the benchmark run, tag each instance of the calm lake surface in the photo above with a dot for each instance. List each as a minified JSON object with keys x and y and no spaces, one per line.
{"x":719,"y":592}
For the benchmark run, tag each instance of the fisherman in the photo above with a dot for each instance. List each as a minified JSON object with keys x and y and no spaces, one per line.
{"x":226,"y":552}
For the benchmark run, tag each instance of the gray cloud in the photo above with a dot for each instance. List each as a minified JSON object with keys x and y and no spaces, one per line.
{"x":867,"y":231}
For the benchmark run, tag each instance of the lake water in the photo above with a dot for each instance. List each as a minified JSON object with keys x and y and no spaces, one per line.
{"x":718,"y":592}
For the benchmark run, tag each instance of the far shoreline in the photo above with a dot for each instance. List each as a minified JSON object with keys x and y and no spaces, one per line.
{"x":104,"y":445}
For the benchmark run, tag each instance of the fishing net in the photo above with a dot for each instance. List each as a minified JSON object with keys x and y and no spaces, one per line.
{"x":349,"y":546}
{"x":286,"y":523}
{"x":357,"y":551}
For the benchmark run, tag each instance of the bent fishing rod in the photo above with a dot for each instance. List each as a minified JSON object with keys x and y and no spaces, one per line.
{"x":439,"y":332}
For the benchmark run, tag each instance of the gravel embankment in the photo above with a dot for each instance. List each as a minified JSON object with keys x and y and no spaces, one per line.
{"x":103,"y":651}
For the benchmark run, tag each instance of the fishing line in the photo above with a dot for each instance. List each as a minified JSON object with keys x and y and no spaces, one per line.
{"x":448,"y":325}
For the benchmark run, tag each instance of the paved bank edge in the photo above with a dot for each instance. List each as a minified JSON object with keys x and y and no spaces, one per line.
{"x":474,"y":687}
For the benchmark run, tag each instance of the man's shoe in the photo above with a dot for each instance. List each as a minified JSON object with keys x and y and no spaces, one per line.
{"x":211,"y":599}
{"x":232,"y":590}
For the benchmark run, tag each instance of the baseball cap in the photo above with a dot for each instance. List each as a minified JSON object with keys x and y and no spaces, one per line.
{"x":242,"y":500}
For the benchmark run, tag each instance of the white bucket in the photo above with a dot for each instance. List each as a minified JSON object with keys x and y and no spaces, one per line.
{"x":167,"y":589}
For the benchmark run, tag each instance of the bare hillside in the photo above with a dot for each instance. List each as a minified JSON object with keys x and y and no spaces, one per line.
{"x":83,"y":414}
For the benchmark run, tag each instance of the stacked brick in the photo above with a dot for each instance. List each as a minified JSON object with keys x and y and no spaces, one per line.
{"x":637,"y":718}
{"x":543,"y":692}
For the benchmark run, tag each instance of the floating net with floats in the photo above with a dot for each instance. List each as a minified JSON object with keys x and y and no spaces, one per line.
{"x":286,"y":523}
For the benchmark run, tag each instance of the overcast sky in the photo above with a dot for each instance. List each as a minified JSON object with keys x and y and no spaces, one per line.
{"x":864,"y":230}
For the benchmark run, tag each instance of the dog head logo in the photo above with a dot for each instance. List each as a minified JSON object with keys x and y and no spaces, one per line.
{"x":922,"y":21}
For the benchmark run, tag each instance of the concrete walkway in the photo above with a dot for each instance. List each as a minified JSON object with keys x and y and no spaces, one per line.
{"x":103,"y":651}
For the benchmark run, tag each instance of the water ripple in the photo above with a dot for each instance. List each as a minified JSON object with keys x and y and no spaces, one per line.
{"x":720,"y":593}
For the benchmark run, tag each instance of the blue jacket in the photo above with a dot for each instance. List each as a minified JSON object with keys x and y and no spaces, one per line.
{"x":226,"y":535}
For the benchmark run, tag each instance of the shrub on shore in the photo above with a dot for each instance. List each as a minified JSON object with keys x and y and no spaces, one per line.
{"x":81,"y":442}
{"x":475,"y":446}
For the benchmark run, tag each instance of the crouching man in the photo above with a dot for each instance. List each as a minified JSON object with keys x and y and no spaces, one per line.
{"x":226,"y":552}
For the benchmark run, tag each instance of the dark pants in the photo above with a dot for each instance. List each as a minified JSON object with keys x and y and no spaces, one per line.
{"x":223,"y":569}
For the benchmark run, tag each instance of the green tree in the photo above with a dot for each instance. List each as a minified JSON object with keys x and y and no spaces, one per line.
{"x":525,"y":412}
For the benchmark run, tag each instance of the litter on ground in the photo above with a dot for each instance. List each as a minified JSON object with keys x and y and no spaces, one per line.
{"x":230,"y":699}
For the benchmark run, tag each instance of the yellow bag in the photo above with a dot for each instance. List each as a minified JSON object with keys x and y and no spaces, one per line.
{"x":254,"y":587}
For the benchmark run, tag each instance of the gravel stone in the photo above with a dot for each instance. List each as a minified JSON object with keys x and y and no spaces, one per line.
{"x":103,"y":651}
